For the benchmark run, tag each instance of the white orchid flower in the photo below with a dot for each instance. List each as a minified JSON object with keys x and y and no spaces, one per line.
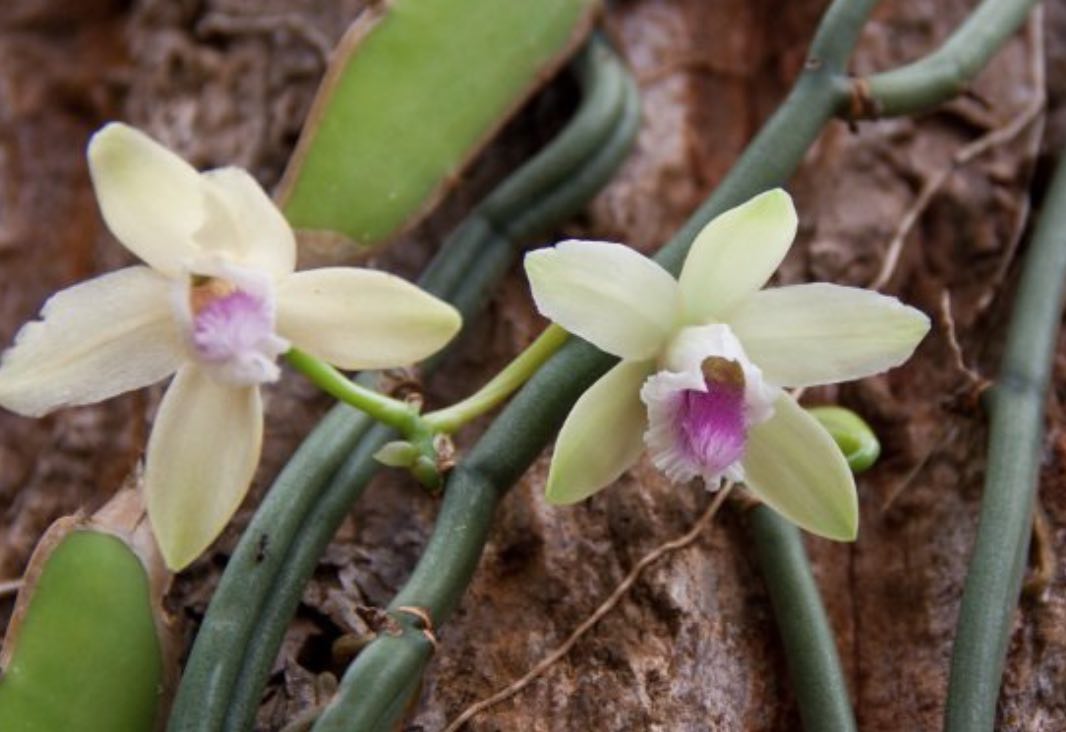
{"x":705,"y":360}
{"x":217,"y":303}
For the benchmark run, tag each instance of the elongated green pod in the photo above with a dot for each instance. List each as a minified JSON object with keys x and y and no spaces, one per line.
{"x":415,"y":89}
{"x":88,"y":649}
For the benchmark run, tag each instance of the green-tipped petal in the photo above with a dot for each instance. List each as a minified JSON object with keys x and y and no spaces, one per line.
{"x":793,"y":465}
{"x":612,"y":296}
{"x":736,"y":254}
{"x":152,"y":200}
{"x":362,"y":318}
{"x":602,"y":437}
{"x":201,"y":458}
{"x":103,"y":337}
{"x":806,"y":335}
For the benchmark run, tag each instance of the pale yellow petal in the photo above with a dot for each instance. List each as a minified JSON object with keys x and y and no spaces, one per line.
{"x":95,"y":340}
{"x":201,"y":458}
{"x":602,"y":436}
{"x":794,"y":466}
{"x":736,"y":254}
{"x":819,"y":333}
{"x":152,"y":200}
{"x":612,"y":296}
{"x":253,"y":231}
{"x":362,"y":319}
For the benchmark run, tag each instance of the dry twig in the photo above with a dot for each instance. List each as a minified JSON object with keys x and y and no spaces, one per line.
{"x":977,"y":381}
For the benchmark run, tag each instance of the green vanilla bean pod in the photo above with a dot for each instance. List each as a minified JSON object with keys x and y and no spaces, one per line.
{"x":89,"y":646}
{"x":384,"y":670}
{"x":262,"y":585}
{"x":1015,"y":443}
{"x":415,"y":90}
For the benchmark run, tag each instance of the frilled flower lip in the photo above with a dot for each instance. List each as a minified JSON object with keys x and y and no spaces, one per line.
{"x":802,"y":335}
{"x":139,"y":325}
{"x":701,"y":405}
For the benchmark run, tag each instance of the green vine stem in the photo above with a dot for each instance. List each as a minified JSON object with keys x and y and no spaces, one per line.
{"x":810,"y":648}
{"x":366,"y":698}
{"x":1016,"y":416}
{"x":945,"y":73}
{"x":261,"y":588}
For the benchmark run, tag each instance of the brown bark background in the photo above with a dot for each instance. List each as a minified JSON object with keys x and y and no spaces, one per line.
{"x":693,"y":645}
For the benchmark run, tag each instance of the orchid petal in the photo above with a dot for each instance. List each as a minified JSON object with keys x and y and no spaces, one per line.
{"x":95,"y":340}
{"x":794,"y":466}
{"x":361,"y":318}
{"x":249,"y":227}
{"x":602,"y":437}
{"x":201,"y":458}
{"x":152,"y":200}
{"x":610,"y":295}
{"x":818,"y":333}
{"x":736,"y":253}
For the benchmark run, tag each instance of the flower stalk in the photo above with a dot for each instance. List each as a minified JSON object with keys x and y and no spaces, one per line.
{"x":400,"y":415}
{"x":501,"y":386}
{"x":423,"y":450}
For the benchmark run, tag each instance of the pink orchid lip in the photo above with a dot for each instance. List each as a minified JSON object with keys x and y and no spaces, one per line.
{"x":702,"y":404}
{"x":711,"y":424}
{"x":232,"y":331}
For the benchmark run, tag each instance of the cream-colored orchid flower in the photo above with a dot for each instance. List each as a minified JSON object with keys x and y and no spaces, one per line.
{"x":218,"y":302}
{"x":705,"y":360}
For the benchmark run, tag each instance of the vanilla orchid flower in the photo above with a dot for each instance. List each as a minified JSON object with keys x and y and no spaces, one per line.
{"x":706,"y":359}
{"x":217,"y":303}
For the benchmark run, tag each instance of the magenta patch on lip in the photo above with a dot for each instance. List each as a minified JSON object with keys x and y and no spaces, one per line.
{"x":232,"y":325}
{"x":712,"y":425}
